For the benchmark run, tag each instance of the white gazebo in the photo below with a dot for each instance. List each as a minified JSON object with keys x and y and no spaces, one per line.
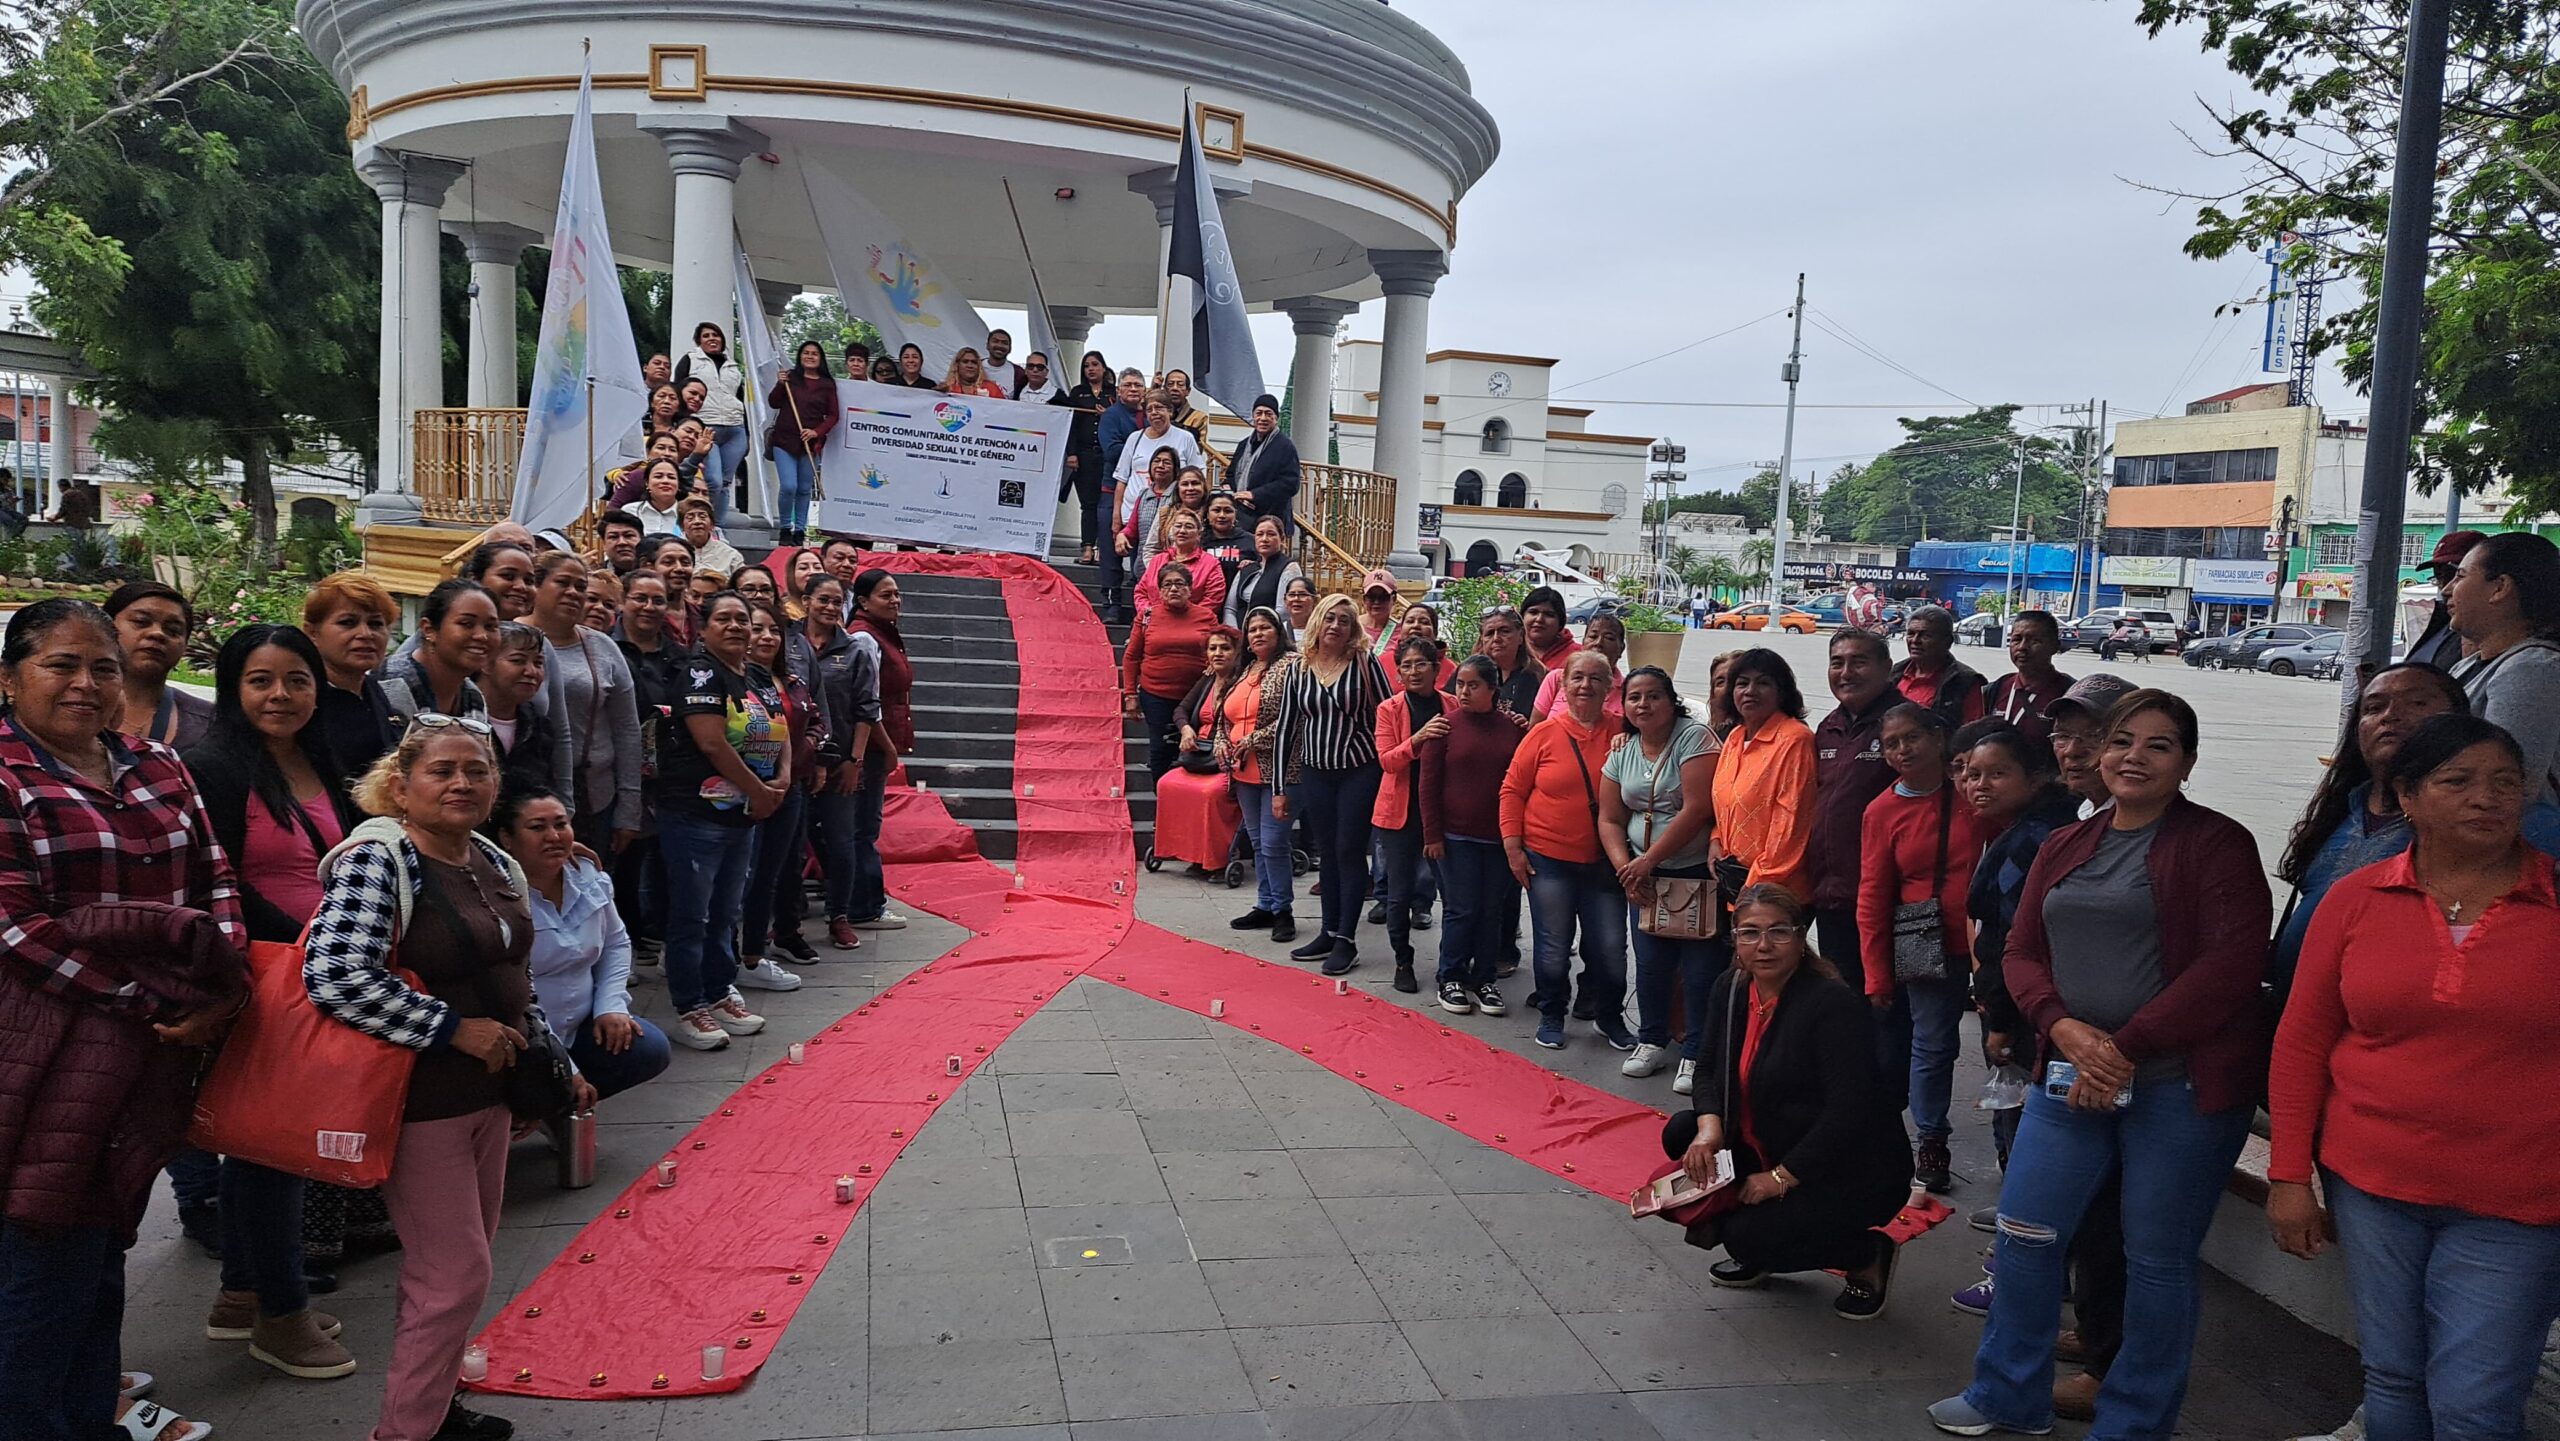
{"x":1343,"y":135}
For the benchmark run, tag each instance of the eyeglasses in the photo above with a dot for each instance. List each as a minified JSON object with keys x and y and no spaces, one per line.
{"x":1754,"y":935}
{"x":437,"y":720}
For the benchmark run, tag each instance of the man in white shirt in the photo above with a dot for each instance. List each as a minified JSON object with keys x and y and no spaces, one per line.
{"x":998,"y":366}
{"x":1039,"y":386}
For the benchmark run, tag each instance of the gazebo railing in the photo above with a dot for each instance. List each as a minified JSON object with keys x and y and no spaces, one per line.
{"x":462,"y":463}
{"x":1346,"y":525}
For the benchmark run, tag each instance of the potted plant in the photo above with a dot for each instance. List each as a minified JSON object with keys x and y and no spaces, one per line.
{"x":1653,"y":633}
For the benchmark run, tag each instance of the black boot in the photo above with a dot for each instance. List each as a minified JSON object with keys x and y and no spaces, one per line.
{"x":1284,"y":928}
{"x":1314,"y":950}
{"x":1252,"y":920}
{"x":1343,"y":958}
{"x":1405,"y":979}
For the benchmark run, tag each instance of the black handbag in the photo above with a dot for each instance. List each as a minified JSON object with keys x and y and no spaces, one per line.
{"x":539,"y":1086}
{"x":1920,"y":927}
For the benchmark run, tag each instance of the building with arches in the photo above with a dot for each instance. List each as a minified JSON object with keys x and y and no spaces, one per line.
{"x":1342,"y":136}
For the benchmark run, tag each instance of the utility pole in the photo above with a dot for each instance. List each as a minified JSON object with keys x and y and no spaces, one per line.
{"x":1791,"y":372}
{"x":2017,"y":507}
{"x":2395,"y":344}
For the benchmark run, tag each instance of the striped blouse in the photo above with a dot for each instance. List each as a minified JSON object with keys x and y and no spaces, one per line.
{"x":1328,"y":727}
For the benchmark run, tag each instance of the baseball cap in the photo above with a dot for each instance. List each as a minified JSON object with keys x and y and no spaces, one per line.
{"x":2096,"y":694}
{"x":1378,"y":580}
{"x":2449,"y":551}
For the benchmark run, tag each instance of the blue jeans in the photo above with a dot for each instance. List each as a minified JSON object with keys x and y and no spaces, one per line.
{"x":2451,"y":1311}
{"x":642,"y":1060}
{"x":1916,"y":1044}
{"x":728,"y":452}
{"x":1406,"y":874}
{"x":870,"y":882}
{"x":1661,"y":962}
{"x":1564,"y":896}
{"x":195,"y":1176}
{"x":1426,"y":881}
{"x":61,"y":1312}
{"x":795,"y":478}
{"x":1337,"y":805}
{"x":262,"y":1236}
{"x":2175,"y":1162}
{"x":706,"y":888}
{"x":1479,"y":887}
{"x":1271,"y":874}
{"x":781,"y":849}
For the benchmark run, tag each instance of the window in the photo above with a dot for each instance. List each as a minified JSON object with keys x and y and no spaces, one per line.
{"x":1613,"y":499}
{"x":1515,"y":492}
{"x":2415,"y":549}
{"x":2334,"y":548}
{"x":1469,"y":489}
{"x":2199,"y":467}
{"x":2229,"y":542}
{"x":1497,"y":436}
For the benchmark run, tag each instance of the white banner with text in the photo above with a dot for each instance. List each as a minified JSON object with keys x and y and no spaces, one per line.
{"x":964,"y":471}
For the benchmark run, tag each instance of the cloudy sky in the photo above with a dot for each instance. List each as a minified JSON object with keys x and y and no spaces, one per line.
{"x":1956,"y":178}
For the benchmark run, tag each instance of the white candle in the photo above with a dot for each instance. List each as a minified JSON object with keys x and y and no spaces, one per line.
{"x":475,"y":1363}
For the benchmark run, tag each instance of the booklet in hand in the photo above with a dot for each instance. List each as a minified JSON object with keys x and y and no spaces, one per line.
{"x":1674,"y":1196}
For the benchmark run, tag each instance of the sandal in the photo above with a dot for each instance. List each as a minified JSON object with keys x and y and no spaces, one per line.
{"x":151,"y":1421}
{"x":134,"y":1385}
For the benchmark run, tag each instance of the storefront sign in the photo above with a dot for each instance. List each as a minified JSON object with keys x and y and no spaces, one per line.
{"x":943,"y":469}
{"x":1844,"y":574}
{"x":2317,"y":586}
{"x":2232,"y":577}
{"x":2159,"y":572}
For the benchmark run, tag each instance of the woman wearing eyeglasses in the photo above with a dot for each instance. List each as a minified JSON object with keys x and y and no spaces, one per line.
{"x":1500,"y":639}
{"x":1787,"y":1085}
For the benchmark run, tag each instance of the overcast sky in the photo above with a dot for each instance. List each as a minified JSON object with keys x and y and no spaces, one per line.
{"x":1954,"y":177}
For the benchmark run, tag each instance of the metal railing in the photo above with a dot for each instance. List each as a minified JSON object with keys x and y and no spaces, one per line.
{"x":462,"y":463}
{"x":1346,"y":521}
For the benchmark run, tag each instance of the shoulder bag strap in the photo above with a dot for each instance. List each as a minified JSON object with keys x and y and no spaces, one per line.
{"x":1946,"y":819}
{"x":1590,"y":792}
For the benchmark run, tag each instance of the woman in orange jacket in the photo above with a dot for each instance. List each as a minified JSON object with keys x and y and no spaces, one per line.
{"x":1406,"y":722}
{"x":1764,"y":779}
{"x":1551,"y":834}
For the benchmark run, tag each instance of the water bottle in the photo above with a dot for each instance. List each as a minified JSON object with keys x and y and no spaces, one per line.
{"x":576,"y":1135}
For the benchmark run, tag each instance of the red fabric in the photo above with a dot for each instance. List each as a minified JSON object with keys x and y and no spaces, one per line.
{"x":2400,"y":1050}
{"x":1897,"y":854}
{"x":601,"y":1323}
{"x":1196,"y":818}
{"x":1752,"y":1031}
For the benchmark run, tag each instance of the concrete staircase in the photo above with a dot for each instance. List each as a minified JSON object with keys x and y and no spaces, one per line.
{"x":967,"y":690}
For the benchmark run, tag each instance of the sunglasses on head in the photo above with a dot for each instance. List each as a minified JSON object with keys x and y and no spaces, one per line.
{"x":1493,"y":612}
{"x":437,"y":720}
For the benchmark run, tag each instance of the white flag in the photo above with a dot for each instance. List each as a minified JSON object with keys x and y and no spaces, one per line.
{"x":763,"y":360}
{"x":882,"y":279}
{"x":586,"y":336}
{"x":1042,"y":338}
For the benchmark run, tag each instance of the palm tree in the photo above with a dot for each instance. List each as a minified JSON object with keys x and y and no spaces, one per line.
{"x":1757,"y":554}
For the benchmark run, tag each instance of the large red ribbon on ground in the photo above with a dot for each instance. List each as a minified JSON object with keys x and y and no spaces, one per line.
{"x":760,"y":1174}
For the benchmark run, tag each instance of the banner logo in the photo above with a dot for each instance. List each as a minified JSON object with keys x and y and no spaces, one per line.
{"x":900,"y":277}
{"x":950,"y":417}
{"x":872,"y":477}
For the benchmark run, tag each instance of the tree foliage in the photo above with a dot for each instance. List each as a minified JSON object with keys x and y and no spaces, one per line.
{"x":823,"y":318}
{"x":1954,"y":477}
{"x":242,"y":293}
{"x":2315,"y":143}
{"x":1756,"y":502}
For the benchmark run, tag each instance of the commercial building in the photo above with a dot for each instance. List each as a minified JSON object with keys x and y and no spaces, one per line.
{"x":2202,"y":504}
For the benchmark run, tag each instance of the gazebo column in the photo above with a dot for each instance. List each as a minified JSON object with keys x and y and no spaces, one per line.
{"x":1073,"y":325}
{"x":60,"y":465}
{"x":412,"y":189}
{"x":705,"y":155}
{"x":1408,"y":277}
{"x":493,"y":249}
{"x":1316,"y":319}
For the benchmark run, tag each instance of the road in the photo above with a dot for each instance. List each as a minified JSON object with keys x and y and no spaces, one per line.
{"x":2264,"y":737}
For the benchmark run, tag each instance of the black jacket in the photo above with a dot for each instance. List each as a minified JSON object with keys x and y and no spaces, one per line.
{"x":1275,"y":474}
{"x":222,"y":782}
{"x":1817,"y":1105}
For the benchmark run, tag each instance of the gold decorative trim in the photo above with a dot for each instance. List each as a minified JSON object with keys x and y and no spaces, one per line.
{"x":664,"y":59}
{"x":1445,"y":216}
{"x":359,"y":115}
{"x":1203,"y":114}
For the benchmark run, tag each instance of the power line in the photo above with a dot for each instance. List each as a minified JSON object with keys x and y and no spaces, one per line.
{"x":1844,"y":334}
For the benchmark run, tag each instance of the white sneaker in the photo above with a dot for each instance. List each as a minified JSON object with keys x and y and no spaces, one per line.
{"x":768,"y":975}
{"x":698,"y":1030}
{"x":2351,"y":1430}
{"x":1648,"y":1058}
{"x":1687,"y":1081}
{"x":730,"y":1014}
{"x":885,"y":921}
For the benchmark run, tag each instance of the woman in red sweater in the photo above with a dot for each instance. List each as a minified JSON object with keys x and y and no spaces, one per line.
{"x":1166,"y":655}
{"x":803,"y":406}
{"x":2415,"y":1069}
{"x":1460,"y":793}
{"x":1551,"y":836}
{"x":1916,"y":851}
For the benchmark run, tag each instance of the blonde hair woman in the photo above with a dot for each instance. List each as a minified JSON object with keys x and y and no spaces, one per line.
{"x":1326,"y":749}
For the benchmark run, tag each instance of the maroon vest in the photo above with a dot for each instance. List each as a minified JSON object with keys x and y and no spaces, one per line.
{"x":897,"y":682}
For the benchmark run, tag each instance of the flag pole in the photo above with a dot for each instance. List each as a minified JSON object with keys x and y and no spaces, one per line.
{"x":1164,"y":287}
{"x":591,"y":448}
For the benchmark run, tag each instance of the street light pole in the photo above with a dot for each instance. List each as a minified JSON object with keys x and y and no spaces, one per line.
{"x":2396,"y":336}
{"x":1791,"y":373}
{"x":1666,"y":455}
{"x":2017,"y":506}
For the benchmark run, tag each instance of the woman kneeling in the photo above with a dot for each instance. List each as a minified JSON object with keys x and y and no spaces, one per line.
{"x":1787,"y":1082}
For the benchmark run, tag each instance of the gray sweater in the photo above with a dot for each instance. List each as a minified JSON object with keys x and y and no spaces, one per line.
{"x":2520,"y":691}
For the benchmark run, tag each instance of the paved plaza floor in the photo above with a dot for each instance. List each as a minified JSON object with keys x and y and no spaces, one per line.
{"x":1282,"y":1255}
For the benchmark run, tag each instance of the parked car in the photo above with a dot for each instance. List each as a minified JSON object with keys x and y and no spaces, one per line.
{"x":2090,"y":631}
{"x":2303,"y":657}
{"x":1831,"y":609}
{"x":2241,"y":651}
{"x":1980,"y":628}
{"x":1756,"y":617}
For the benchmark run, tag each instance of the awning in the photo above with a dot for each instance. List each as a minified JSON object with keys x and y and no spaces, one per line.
{"x":2204,"y":598}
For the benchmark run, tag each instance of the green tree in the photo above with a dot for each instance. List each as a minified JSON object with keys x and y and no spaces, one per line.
{"x":2312,"y":136}
{"x":823,"y":318}
{"x":1760,"y":501}
{"x":1953,"y":478}
{"x":249,"y":252}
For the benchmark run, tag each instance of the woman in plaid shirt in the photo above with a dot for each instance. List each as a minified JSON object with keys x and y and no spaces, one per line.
{"x":93,"y":1101}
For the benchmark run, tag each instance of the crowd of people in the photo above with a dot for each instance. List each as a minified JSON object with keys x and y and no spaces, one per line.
{"x":581,"y":768}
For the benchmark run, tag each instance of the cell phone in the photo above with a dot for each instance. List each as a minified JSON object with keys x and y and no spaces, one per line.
{"x":2061,"y":1076}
